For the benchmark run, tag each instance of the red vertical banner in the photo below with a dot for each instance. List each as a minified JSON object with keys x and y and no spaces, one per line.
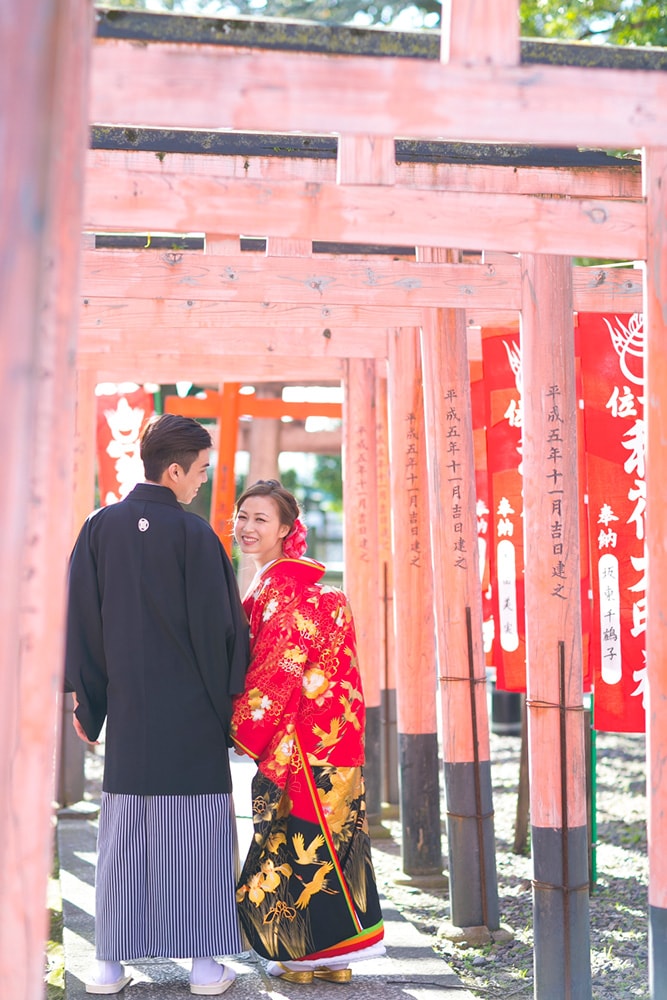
{"x":501,"y":354}
{"x":611,"y":350}
{"x":120,"y":418}
{"x":478,"y":407}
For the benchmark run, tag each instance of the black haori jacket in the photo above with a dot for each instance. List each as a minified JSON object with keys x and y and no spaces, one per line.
{"x":157,"y":643}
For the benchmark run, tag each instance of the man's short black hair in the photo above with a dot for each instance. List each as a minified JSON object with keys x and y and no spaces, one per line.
{"x":171,"y":438}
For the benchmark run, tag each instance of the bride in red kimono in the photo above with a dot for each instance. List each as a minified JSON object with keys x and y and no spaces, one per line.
{"x":306,"y":896}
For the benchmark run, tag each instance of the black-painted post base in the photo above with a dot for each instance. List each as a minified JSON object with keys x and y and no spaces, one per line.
{"x":657,"y":952}
{"x":373,"y":766}
{"x":420,"y":803}
{"x":390,"y":786}
{"x":473,"y":883}
{"x":561,"y":920}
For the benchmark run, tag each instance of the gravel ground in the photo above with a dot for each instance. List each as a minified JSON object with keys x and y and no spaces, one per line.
{"x":618,"y":906}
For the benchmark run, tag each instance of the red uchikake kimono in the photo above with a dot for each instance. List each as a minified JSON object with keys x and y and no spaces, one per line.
{"x":307,"y":889}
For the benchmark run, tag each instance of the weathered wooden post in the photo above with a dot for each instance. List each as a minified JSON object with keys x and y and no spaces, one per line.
{"x":655,"y":368}
{"x":458,"y":615}
{"x":42,"y":146}
{"x":360,"y":543}
{"x":386,"y":596}
{"x":553,"y":632}
{"x":413,"y":610}
{"x":71,"y":777}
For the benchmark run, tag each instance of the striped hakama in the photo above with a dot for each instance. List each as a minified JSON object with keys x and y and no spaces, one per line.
{"x":165,"y":877}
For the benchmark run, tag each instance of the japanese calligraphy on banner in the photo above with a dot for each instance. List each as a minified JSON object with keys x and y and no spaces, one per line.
{"x":611,"y":350}
{"x":120,"y":418}
{"x":501,"y":355}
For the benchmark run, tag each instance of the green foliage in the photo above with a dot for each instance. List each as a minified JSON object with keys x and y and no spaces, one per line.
{"x":620,"y":22}
{"x":328,"y":479}
{"x":290,"y":480}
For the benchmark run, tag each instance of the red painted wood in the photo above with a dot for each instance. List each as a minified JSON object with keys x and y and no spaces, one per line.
{"x":45,"y":47}
{"x":385,"y":580}
{"x":366,"y":159}
{"x":212,"y":340}
{"x":85,"y":417}
{"x":224,"y":487}
{"x":158,"y":274}
{"x":551,"y":542}
{"x":385,"y":597}
{"x":452,"y":493}
{"x":414,"y":628}
{"x":655,"y":366}
{"x":118,"y":200}
{"x":191,"y":314}
{"x":369,"y":281}
{"x":463,"y":41}
{"x":215,"y":87}
{"x":360,"y":510}
{"x":153,"y":364}
{"x":622,"y":181}
{"x":247,"y":405}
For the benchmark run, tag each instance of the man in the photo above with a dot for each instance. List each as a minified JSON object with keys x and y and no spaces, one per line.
{"x":157,"y":644}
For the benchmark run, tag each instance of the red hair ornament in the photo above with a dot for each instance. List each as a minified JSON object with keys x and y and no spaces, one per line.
{"x":295,"y":544}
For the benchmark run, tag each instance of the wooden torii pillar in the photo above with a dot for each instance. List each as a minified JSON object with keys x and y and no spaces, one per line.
{"x":46,"y":47}
{"x":559,"y":834}
{"x":389,"y":748}
{"x":364,"y":160}
{"x":458,"y":614}
{"x":360,"y":543}
{"x":655,"y":368}
{"x":414,"y":628}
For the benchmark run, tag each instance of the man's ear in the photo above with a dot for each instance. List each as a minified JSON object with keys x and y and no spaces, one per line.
{"x":171,"y":474}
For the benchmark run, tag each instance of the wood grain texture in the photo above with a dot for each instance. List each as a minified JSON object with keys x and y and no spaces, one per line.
{"x":334,"y":281}
{"x":213,"y":88}
{"x":121,"y":200}
{"x":46,"y":47}
{"x":655,"y":367}
{"x":414,"y":626}
{"x":551,"y":543}
{"x":360,"y":510}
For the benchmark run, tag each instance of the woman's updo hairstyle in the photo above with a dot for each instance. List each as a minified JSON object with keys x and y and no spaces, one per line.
{"x":295,"y":543}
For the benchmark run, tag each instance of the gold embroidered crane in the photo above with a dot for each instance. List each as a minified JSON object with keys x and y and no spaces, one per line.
{"x":307,"y":855}
{"x":349,"y":713}
{"x":328,"y":739}
{"x":317,"y":884}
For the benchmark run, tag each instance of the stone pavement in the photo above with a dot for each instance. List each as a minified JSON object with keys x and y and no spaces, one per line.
{"x":410,"y":968}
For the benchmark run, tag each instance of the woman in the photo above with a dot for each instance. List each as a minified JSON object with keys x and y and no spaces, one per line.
{"x":307,"y":895}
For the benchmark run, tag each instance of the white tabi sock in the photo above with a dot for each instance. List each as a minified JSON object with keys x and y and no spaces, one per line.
{"x":206,"y":971}
{"x":108,"y":972}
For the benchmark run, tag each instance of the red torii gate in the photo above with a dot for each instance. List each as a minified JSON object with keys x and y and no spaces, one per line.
{"x":525,"y":115}
{"x":226,"y":407}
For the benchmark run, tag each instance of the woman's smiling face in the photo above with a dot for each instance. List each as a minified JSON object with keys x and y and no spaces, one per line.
{"x":258,"y":530}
